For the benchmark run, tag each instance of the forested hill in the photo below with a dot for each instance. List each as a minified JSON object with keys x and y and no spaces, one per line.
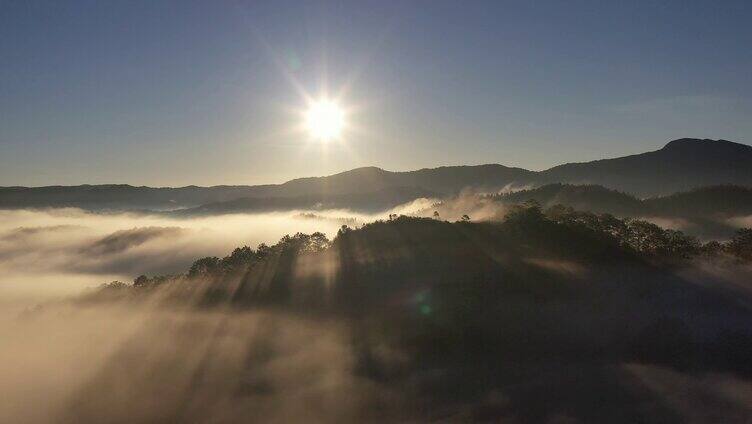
{"x":455,"y":306}
{"x":712,"y":201}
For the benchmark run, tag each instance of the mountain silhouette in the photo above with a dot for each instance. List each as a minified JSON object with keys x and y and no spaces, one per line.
{"x":681,"y":165}
{"x":444,"y":180}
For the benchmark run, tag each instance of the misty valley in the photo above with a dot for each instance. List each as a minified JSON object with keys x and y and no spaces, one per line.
{"x":489,"y":300}
{"x":367,"y":211}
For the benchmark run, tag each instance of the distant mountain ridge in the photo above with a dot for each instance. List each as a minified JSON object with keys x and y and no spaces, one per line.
{"x":681,"y":165}
{"x":372,"y":201}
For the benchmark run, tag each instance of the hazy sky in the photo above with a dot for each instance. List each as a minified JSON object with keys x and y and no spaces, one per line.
{"x":189,"y":92}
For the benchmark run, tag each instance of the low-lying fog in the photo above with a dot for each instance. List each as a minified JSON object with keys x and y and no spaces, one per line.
{"x":56,"y":252}
{"x":62,"y":361}
{"x":131,"y":363}
{"x":61,"y":251}
{"x":57,"y":358}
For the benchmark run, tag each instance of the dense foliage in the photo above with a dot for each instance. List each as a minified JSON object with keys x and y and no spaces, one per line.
{"x":632,"y":236}
{"x":537,"y":295}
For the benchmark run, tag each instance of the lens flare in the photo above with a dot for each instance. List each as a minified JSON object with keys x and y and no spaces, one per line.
{"x":325,"y":120}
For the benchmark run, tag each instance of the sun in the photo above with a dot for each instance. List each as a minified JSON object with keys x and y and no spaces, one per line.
{"x":325,"y":120}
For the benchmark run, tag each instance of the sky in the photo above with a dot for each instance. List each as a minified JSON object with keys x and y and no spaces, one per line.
{"x":165,"y":93}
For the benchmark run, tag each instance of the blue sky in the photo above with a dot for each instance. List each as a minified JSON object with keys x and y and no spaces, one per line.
{"x":178,"y":93}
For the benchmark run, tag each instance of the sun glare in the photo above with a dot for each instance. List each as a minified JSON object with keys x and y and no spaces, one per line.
{"x":325,"y":120}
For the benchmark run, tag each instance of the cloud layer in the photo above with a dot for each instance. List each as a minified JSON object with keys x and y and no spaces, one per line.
{"x":64,"y":250}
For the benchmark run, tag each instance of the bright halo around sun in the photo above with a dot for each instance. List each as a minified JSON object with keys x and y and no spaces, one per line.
{"x":325,"y":120}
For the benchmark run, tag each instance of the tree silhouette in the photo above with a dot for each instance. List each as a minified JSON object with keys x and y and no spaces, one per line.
{"x":741,"y":244}
{"x":141,"y":281}
{"x":240,"y":258}
{"x":114,"y":285}
{"x":204,"y":266}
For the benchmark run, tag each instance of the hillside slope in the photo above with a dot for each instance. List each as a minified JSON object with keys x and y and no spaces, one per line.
{"x":718,"y":201}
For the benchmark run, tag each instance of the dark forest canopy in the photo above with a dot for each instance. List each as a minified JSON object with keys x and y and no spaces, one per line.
{"x":558,"y":231}
{"x":556,"y":255}
{"x":445,"y":312}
